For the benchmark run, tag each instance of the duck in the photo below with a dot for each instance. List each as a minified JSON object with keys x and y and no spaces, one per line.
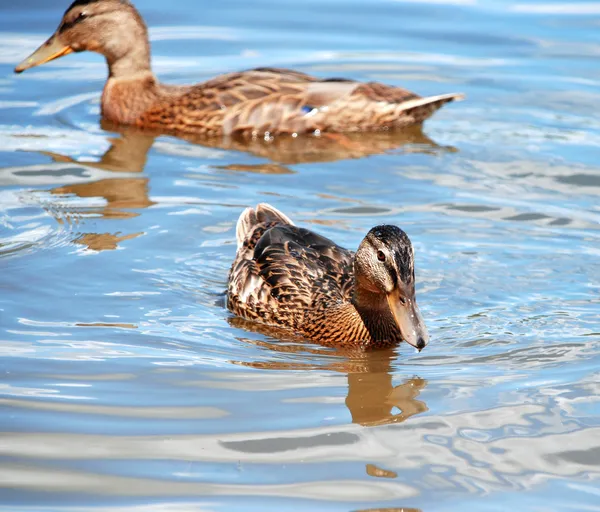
{"x":257,"y":102}
{"x":294,"y":279}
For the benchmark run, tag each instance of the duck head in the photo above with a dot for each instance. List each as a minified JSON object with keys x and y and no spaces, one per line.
{"x":385,"y":276}
{"x":112,"y":28}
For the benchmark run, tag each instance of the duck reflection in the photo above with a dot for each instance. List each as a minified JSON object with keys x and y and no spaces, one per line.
{"x":329,"y":147}
{"x":128,"y":154}
{"x":393,"y":509}
{"x":288,"y":150}
{"x":372,"y":398}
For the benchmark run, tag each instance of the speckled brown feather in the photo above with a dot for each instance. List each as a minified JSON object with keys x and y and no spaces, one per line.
{"x":272,"y":101}
{"x":293,"y":278}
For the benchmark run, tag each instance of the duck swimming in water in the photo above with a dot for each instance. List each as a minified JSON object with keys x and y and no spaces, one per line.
{"x":255,"y":102}
{"x":291,"y":277}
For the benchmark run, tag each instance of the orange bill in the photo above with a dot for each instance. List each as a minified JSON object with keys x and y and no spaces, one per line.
{"x":50,"y":50}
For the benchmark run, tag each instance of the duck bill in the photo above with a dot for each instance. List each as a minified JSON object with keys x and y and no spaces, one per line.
{"x":409,"y":320}
{"x":50,"y":50}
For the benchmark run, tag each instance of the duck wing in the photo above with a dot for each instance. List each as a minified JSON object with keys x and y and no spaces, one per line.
{"x":272,"y":100}
{"x":284,"y":271}
{"x":282,"y":101}
{"x":275,"y":101}
{"x":298,"y":262}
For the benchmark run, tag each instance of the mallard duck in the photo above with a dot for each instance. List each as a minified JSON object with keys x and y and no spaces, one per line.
{"x":293,"y":278}
{"x":255,"y":102}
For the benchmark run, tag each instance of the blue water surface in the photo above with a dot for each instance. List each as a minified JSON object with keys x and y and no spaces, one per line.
{"x":126,"y":384}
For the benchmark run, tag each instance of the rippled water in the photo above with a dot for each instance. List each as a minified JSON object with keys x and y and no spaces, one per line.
{"x":127,"y":385}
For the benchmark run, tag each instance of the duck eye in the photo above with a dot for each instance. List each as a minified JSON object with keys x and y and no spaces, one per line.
{"x":380,"y":256}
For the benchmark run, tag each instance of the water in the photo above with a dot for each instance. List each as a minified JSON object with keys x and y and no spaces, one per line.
{"x":127,"y":385}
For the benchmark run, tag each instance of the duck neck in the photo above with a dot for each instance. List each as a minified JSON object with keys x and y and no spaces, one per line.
{"x":127,"y":47}
{"x":125,"y":99}
{"x":136,"y":61}
{"x":375,"y":313}
{"x":131,"y":88}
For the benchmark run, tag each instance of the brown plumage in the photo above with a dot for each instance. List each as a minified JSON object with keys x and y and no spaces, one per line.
{"x":254,"y":102}
{"x":293,"y":278}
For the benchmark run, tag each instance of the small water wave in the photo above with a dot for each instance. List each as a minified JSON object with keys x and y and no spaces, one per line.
{"x":127,"y":383}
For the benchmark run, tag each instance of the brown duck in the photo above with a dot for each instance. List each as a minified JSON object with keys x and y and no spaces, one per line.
{"x":291,"y":277}
{"x":253,"y":102}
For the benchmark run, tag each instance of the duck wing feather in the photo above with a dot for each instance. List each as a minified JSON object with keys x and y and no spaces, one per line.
{"x":284,"y":271}
{"x":272,"y":100}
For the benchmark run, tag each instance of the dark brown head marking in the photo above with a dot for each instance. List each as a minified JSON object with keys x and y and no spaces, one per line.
{"x":400,"y":249}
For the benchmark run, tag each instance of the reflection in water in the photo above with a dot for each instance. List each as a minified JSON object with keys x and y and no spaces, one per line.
{"x":289,"y":150}
{"x":129,"y":153}
{"x":373,"y":470}
{"x":126,"y":154}
{"x":120,"y":194}
{"x":111,"y":406}
{"x":394,"y":509}
{"x":329,"y":147}
{"x":104,"y":241}
{"x":257,"y":169}
{"x":371,"y":397}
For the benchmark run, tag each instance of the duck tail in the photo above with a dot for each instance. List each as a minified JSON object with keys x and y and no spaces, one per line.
{"x":245,"y":223}
{"x":423,"y":108}
{"x":267,"y":213}
{"x":250,"y":218}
